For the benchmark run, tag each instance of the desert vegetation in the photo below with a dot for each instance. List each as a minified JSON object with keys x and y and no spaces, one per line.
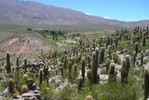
{"x":112,"y":66}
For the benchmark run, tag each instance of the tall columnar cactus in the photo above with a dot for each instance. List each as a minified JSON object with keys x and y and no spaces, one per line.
{"x":75,"y":68}
{"x":136,"y":48}
{"x":72,"y":60}
{"x":62,"y":70}
{"x":124,"y":73}
{"x":80,"y":82}
{"x":80,"y":41}
{"x":116,"y":43}
{"x":113,"y":57}
{"x":17,"y":63}
{"x":111,"y":40}
{"x":109,"y":51}
{"x":134,"y":58}
{"x":83,"y":67}
{"x":70,"y":68}
{"x":141,"y":56}
{"x":97,"y":56}
{"x":25,"y":65}
{"x":108,"y":64}
{"x":89,"y":97}
{"x":113,"y":47}
{"x":101,"y":60}
{"x":127,"y":62}
{"x":144,"y":41}
{"x":146,"y":85}
{"x":65,"y":61}
{"x":89,"y":76}
{"x":94,"y":71}
{"x":8,"y":62}
{"x":73,"y":51}
{"x":45,"y":71}
{"x":11,"y":86}
{"x":40,"y":78}
{"x":97,"y":62}
{"x":112,"y":72}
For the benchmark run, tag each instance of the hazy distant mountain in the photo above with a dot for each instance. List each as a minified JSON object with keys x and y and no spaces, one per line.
{"x":33,"y":13}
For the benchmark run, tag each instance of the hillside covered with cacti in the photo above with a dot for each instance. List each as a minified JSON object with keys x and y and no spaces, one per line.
{"x":80,"y":66}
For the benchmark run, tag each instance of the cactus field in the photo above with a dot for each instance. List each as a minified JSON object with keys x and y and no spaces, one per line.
{"x":80,"y":66}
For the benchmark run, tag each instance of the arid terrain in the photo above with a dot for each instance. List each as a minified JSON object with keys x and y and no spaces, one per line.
{"x":54,"y":53}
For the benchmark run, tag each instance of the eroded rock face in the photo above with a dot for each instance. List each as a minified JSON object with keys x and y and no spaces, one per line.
{"x":31,"y":95}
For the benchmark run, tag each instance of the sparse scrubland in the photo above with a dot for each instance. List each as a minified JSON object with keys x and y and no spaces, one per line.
{"x":102,"y":65}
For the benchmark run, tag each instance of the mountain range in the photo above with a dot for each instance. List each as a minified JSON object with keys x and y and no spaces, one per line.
{"x":33,"y":13}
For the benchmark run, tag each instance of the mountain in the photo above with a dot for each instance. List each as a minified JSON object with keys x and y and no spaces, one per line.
{"x":33,"y":13}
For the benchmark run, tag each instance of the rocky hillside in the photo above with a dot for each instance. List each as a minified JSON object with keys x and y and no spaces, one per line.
{"x":33,"y":13}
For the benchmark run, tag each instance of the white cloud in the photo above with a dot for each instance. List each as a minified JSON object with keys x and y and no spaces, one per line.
{"x":87,"y":13}
{"x":107,"y":18}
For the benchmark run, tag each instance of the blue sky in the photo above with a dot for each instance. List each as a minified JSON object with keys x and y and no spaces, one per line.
{"x":124,"y":10}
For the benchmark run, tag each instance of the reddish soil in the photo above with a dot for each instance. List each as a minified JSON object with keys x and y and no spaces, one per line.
{"x":12,"y":41}
{"x":23,"y":49}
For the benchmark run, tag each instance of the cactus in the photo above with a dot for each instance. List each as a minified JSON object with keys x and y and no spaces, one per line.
{"x":146,"y":85}
{"x":112,"y":72}
{"x":73,"y":51}
{"x":113,"y":57}
{"x":75,"y":68}
{"x":89,"y":97}
{"x":72,"y":60}
{"x":127,"y":58}
{"x":94,"y":71}
{"x":25,"y":65}
{"x":80,"y":82}
{"x":17,"y":63}
{"x":25,"y":89}
{"x":89,"y":76}
{"x":97,"y":56}
{"x":101,"y":60}
{"x":116,"y":43}
{"x":11,"y":86}
{"x":70,"y":69}
{"x":109,"y":51}
{"x":113,"y":47}
{"x":96,"y":63}
{"x":141,"y":56}
{"x":45,"y":71}
{"x":107,"y":64}
{"x":25,"y":77}
{"x":125,"y":69}
{"x":83,"y":67}
{"x":144,"y":41}
{"x":124,"y":73}
{"x":65,"y":61}
{"x":136,"y":48}
{"x":134,"y":58}
{"x":8,"y":62}
{"x":40,"y":78}
{"x":62,"y":70}
{"x":111,"y":40}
